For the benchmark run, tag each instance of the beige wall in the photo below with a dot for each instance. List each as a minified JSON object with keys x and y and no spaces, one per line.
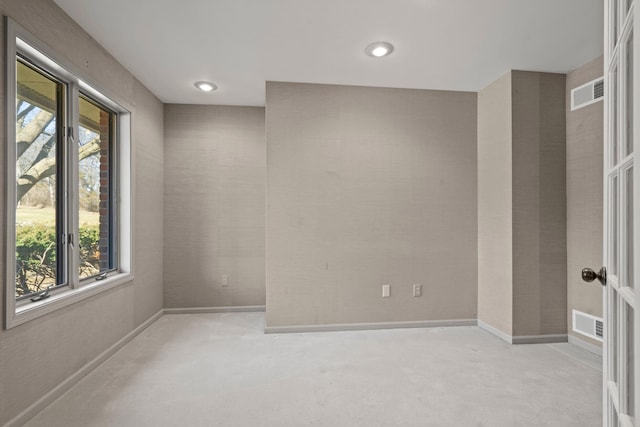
{"x":37,"y":356}
{"x":214,"y":206}
{"x":521,"y":204}
{"x":584,"y":196}
{"x":495,"y":234}
{"x":539,"y":203}
{"x":365,"y":187}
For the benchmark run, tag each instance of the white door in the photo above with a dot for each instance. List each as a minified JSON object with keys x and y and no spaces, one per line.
{"x":621,"y":216}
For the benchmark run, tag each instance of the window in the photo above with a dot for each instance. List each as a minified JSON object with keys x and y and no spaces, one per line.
{"x":68,"y":208}
{"x":39,"y":139}
{"x":96,"y":240}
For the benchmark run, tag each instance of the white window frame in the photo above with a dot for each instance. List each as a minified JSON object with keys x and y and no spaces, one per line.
{"x":20,"y":41}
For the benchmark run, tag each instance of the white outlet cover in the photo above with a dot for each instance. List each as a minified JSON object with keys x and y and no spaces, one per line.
{"x":417,"y":290}
{"x":386,"y":291}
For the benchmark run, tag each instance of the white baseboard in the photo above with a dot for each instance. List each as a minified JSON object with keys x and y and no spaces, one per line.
{"x":539,"y":339}
{"x":65,"y":385}
{"x":199,"y":310}
{"x":522,"y":339}
{"x":495,"y":331}
{"x":592,"y":348}
{"x":368,"y":326}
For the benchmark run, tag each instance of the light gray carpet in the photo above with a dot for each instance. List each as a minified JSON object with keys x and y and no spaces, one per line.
{"x":221,"y":370}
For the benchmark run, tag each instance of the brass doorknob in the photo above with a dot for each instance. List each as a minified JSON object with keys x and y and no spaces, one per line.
{"x":588,"y":275}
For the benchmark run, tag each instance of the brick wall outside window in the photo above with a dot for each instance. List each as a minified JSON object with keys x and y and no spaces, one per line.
{"x":105,"y":185}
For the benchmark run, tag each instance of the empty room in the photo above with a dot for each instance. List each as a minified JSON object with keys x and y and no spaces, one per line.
{"x":319,"y":213}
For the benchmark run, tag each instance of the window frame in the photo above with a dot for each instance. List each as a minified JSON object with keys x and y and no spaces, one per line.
{"x":21,"y":42}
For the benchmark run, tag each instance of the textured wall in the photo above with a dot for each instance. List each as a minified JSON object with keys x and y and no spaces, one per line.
{"x":495,"y":233}
{"x":539,"y":203}
{"x":365,"y":187}
{"x":522,"y":204}
{"x":148,"y":142}
{"x":37,"y":356}
{"x":584,"y":196}
{"x":214,"y":206}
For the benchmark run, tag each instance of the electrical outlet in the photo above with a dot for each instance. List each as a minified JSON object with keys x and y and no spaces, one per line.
{"x":225,"y":280}
{"x":386,"y":291}
{"x":417,"y":290}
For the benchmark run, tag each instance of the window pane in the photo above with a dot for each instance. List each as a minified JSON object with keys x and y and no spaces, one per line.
{"x":613,"y":318}
{"x":629,"y":222}
{"x":614,"y":232}
{"x":629,"y":357}
{"x":614,"y":21}
{"x":95,"y":189}
{"x":628,"y":147}
{"x":614,"y":117}
{"x":38,"y":103}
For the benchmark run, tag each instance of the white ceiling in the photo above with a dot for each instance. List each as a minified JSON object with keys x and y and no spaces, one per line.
{"x":240,"y":44}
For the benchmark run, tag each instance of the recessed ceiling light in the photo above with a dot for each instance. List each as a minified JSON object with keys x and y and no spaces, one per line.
{"x":206,"y":86}
{"x":379,"y":49}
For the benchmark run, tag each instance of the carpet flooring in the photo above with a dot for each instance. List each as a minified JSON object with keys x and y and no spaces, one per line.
{"x":222,"y":370}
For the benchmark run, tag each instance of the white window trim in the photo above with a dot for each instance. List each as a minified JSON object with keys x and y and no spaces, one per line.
{"x":39,"y":53}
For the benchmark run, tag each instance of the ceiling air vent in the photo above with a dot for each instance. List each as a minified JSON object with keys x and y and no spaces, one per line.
{"x":587,"y":325}
{"x":587,"y":94}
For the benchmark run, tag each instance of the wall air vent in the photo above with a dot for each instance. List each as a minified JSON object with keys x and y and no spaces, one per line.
{"x":587,"y":94}
{"x":587,"y":325}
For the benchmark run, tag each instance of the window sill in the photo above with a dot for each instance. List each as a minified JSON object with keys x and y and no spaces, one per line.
{"x":32,"y":310}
